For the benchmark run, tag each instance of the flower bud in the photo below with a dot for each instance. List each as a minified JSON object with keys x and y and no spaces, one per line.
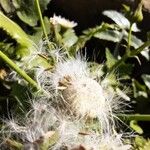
{"x":137,"y":15}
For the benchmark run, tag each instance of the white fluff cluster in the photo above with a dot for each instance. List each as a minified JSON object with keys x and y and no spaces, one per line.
{"x":78,"y":99}
{"x":83,"y":95}
{"x":86,"y":98}
{"x":72,"y":139}
{"x":36,"y":124}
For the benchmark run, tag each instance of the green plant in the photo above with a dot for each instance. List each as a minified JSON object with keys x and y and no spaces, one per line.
{"x":54,"y":71}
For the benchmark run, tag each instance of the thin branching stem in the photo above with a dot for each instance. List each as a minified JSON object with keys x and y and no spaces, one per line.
{"x":127,"y":55}
{"x":140,"y":49}
{"x":21,"y":72}
{"x":138,"y":117}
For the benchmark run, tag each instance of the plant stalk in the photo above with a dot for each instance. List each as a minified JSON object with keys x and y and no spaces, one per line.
{"x":138,"y":117}
{"x":50,"y":46}
{"x":127,"y":55}
{"x":18,"y":70}
{"x":41,"y":19}
{"x":129,"y":39}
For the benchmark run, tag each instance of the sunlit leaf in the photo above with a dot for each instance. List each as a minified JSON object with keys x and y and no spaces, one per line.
{"x":6,"y":5}
{"x":146,"y":79}
{"x":146,"y":54}
{"x":134,"y":125}
{"x":27,"y":10}
{"x":110,"y":59}
{"x":14,"y":30}
{"x":139,"y":89}
{"x":109,"y":35}
{"x":120,"y":20}
{"x":69,"y":38}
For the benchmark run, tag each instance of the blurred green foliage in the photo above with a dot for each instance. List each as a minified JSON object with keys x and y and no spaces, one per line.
{"x":21,"y":45}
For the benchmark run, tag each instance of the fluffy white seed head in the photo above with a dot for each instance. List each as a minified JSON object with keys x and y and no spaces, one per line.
{"x":79,"y":90}
{"x":73,"y":68}
{"x":82,"y":95}
{"x":72,"y":138}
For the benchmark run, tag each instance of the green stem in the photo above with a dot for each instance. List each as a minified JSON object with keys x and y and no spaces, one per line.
{"x":41,"y":19}
{"x":50,"y":45}
{"x":138,"y":117}
{"x":18,"y":70}
{"x":129,"y":38}
{"x":127,"y":55}
{"x":138,"y":50}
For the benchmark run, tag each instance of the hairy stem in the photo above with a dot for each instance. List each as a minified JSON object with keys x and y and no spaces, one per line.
{"x":18,"y":70}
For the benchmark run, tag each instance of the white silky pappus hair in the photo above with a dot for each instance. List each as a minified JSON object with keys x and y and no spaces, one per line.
{"x":35,"y":124}
{"x":71,"y":138}
{"x":73,"y":84}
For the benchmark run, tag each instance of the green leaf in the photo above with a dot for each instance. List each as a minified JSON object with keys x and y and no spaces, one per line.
{"x":47,"y":24}
{"x":20,"y":93}
{"x":8,"y":49}
{"x":27,"y":18}
{"x":110,"y":59}
{"x":27,"y":10}
{"x":120,"y":20}
{"x":109,"y":35}
{"x":134,"y":125}
{"x":40,"y":62}
{"x":6,"y":5}
{"x":146,"y":79}
{"x":16,"y":3}
{"x":25,"y":46}
{"x":139,"y":89}
{"x":37,"y":35}
{"x":145,"y":53}
{"x":14,"y":31}
{"x":89,"y":33}
{"x":141,"y":143}
{"x":69,"y":38}
{"x":125,"y":69}
{"x":135,"y":41}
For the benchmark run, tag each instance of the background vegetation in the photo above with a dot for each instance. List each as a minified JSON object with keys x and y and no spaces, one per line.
{"x":25,"y":27}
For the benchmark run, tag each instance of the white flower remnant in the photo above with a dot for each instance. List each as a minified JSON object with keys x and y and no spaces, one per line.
{"x":80,"y":92}
{"x":62,"y":21}
{"x":78,"y":98}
